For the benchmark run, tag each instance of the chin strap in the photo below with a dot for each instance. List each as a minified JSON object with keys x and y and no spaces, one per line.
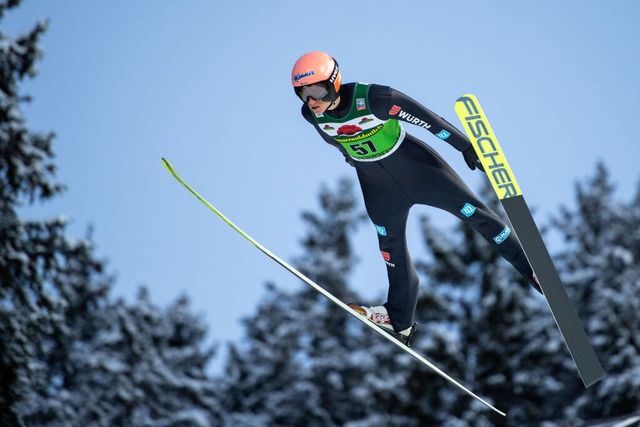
{"x":333,"y":103}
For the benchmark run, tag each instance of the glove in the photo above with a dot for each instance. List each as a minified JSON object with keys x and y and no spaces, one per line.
{"x":471,"y":159}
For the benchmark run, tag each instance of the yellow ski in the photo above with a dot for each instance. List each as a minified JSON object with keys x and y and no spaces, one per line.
{"x":508,"y":191}
{"x":327,"y":294}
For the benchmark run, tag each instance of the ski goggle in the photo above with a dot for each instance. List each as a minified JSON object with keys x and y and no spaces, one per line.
{"x":316,"y":91}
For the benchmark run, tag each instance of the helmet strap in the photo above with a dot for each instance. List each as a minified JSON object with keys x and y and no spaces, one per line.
{"x":334,"y":103}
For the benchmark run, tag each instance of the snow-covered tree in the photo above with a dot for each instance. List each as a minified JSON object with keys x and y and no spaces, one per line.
{"x":504,"y":334}
{"x":600,"y":265}
{"x":140,"y":366}
{"x":363,"y":380}
{"x":69,"y":356}
{"x":289,"y":370}
{"x":306,"y":362}
{"x":45,"y":279}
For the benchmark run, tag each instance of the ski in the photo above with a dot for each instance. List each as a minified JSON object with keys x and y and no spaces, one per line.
{"x":328,"y":295}
{"x":508,"y":191}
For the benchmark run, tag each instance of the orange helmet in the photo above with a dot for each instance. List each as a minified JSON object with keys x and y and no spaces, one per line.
{"x":318,"y":69}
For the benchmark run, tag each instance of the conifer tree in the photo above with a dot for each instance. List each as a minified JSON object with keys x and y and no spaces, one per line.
{"x":40,"y":269}
{"x":69,"y":356}
{"x":140,"y":366}
{"x":306,"y":362}
{"x":505,"y":335}
{"x":601,"y":269}
{"x":289,"y":371}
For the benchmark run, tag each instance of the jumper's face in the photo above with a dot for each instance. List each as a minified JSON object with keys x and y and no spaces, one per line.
{"x":318,"y":106}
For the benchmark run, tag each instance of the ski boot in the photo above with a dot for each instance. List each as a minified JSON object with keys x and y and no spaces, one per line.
{"x":379,"y":316}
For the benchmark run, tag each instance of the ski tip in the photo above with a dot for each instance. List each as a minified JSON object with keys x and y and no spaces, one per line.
{"x":467,"y":96}
{"x":167,"y":165}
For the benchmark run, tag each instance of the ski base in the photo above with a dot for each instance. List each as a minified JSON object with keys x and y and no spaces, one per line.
{"x":566,"y":318}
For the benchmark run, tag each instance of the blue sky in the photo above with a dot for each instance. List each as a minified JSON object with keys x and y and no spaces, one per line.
{"x":206,"y":84}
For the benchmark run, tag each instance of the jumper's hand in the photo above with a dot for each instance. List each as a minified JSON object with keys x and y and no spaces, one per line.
{"x":471,"y":159}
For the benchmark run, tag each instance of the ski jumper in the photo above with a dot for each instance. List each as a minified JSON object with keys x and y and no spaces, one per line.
{"x":396,"y":171}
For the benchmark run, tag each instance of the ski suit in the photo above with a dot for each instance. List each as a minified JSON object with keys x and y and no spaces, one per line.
{"x":396,"y":171}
